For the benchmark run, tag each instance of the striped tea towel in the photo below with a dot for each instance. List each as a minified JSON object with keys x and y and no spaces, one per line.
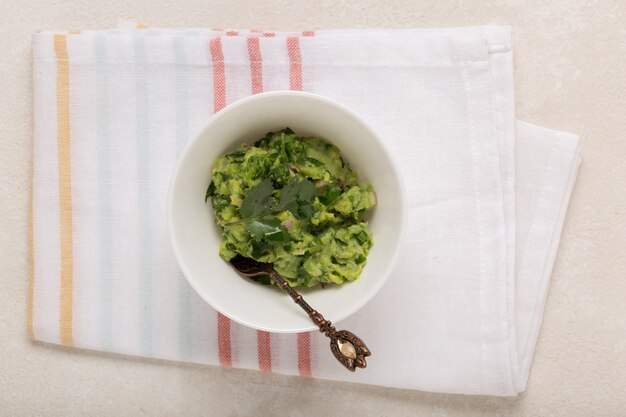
{"x":487,"y":197}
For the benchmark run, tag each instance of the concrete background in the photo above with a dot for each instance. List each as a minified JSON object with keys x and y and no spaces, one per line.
{"x":570,"y":71}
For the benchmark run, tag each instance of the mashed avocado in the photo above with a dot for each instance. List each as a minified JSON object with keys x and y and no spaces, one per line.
{"x":293,"y":202}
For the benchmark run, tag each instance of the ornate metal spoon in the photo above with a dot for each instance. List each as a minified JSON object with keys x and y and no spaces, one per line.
{"x":348,"y":349}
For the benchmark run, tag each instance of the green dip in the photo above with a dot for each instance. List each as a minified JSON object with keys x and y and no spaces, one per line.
{"x":294,"y":202}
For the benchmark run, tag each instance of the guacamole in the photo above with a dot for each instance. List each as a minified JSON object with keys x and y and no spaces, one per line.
{"x":294,"y":202}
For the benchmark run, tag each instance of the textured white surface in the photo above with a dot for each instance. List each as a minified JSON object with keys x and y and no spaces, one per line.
{"x":569,"y":75}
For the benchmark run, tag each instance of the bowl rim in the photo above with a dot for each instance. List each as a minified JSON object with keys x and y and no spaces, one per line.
{"x":402,"y":218}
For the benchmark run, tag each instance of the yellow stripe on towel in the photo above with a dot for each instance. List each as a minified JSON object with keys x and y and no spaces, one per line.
{"x":65,"y":189}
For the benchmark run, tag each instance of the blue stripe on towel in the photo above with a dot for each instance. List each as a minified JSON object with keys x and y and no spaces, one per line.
{"x":104,"y":193}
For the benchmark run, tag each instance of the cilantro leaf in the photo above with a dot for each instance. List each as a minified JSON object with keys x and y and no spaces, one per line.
{"x":258,"y":200}
{"x":315,"y":162}
{"x":210,"y":191}
{"x":237,"y":155}
{"x":267,"y":228}
{"x":331,"y":194}
{"x":262,"y":279}
{"x":297,"y":197}
{"x":305,"y":211}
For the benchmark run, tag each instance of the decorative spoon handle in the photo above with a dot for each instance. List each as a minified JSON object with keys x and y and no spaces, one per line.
{"x":347,"y":348}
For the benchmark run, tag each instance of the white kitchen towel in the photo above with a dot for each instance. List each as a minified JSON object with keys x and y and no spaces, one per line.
{"x":487,"y":197}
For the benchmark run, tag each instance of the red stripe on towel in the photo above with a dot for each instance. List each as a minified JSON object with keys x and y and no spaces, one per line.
{"x":219,"y":75}
{"x":223,"y":341}
{"x":265,"y":351}
{"x":295,"y":83}
{"x":219,"y":102}
{"x":256,"y":65}
{"x":304,"y":354}
{"x":256,"y":76}
{"x":295,"y":63}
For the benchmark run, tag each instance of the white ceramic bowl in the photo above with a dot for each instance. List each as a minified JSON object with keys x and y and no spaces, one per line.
{"x":196,"y":238}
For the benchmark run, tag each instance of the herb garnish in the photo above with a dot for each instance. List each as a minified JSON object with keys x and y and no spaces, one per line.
{"x":259,"y":204}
